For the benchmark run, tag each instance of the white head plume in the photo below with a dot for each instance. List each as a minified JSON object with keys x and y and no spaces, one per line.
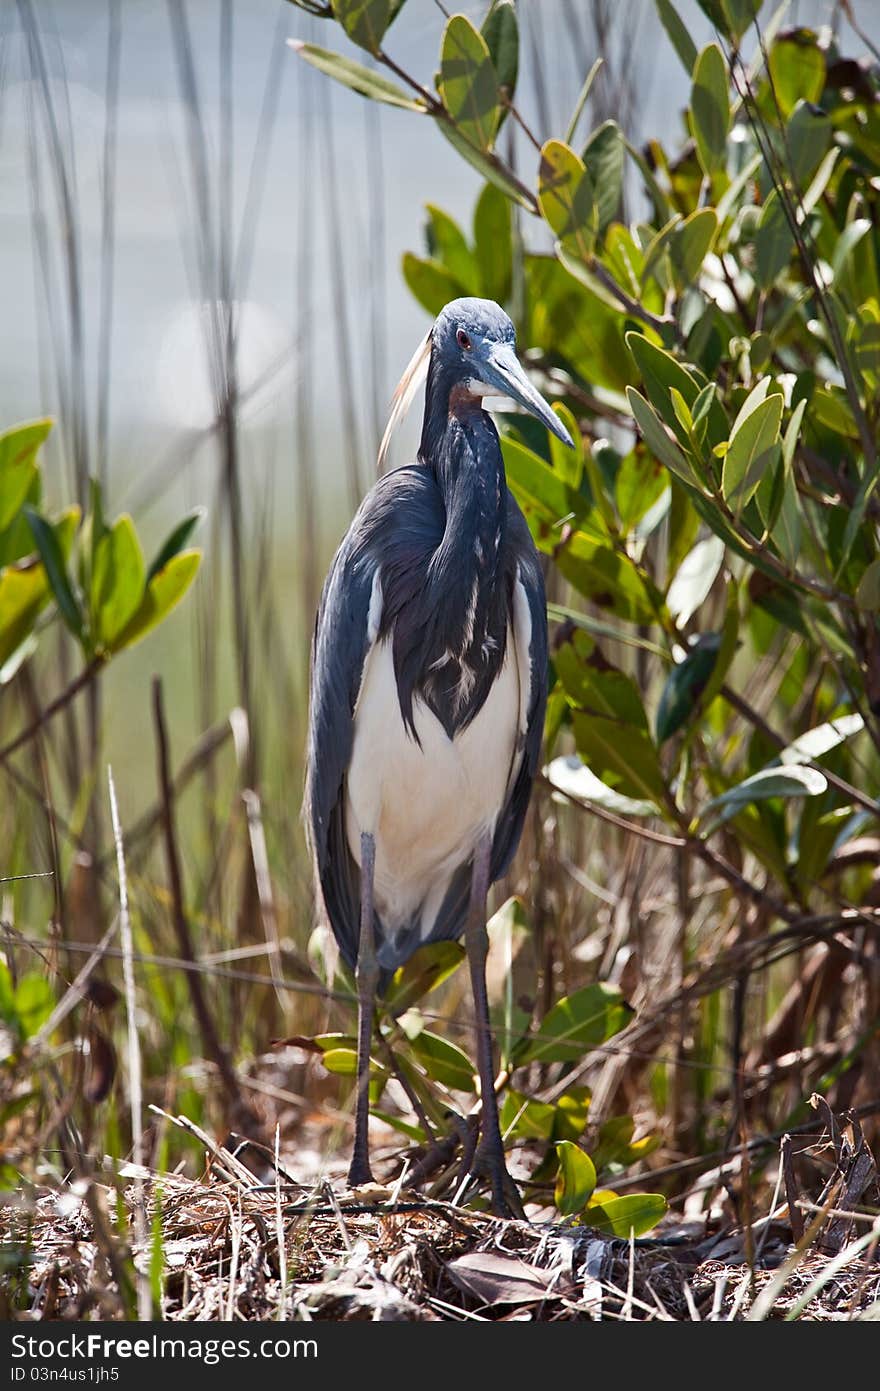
{"x":414,"y":375}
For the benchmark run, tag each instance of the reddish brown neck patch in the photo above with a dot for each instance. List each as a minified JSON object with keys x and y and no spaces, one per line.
{"x":463,"y":402}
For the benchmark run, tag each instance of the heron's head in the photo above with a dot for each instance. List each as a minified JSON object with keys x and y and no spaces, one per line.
{"x":471,"y":346}
{"x":475,"y":342}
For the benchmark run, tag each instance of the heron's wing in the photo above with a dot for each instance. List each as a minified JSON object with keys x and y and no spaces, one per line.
{"x":339,"y":648}
{"x":530,"y":638}
{"x":346,"y":627}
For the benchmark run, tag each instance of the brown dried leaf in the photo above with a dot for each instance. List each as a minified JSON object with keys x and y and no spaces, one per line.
{"x":502,"y":1279}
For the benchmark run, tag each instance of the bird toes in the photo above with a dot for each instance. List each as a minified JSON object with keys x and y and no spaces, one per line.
{"x":489,"y":1164}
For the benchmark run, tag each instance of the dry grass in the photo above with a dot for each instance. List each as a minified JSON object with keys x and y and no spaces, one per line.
{"x":235,"y":1246}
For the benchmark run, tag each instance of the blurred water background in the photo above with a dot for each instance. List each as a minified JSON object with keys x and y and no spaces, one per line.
{"x":157,"y":160}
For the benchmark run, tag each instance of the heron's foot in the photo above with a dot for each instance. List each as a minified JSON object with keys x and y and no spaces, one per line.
{"x":488,"y":1163}
{"x":360,"y":1173}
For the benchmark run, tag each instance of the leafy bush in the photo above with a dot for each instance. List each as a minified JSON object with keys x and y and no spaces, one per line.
{"x":111,"y":599}
{"x":717,"y":353}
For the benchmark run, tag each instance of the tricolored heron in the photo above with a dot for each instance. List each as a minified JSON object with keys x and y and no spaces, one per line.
{"x":428,"y":689}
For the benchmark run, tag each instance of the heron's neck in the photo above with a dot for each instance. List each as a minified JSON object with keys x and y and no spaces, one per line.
{"x":460,"y":445}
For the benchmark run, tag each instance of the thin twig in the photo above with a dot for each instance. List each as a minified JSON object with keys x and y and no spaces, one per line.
{"x":85,"y":678}
{"x":211,"y":1043}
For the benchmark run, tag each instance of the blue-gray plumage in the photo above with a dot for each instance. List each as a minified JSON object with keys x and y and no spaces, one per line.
{"x":428,"y":690}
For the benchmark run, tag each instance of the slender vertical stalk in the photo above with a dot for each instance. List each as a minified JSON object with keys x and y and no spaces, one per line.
{"x":135,"y":1085}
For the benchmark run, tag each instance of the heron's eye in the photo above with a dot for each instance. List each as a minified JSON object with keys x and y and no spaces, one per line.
{"x":462,"y":340}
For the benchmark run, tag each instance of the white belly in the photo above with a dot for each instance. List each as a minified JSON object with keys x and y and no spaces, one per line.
{"x":425,"y":806}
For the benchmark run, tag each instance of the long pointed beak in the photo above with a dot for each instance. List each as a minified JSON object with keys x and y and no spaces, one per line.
{"x":503,"y":370}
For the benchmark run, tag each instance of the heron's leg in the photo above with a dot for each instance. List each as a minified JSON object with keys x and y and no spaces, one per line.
{"x":367,"y":976}
{"x":489,"y":1157}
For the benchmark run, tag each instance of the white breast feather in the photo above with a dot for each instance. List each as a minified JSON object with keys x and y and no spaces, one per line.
{"x":427,"y":806}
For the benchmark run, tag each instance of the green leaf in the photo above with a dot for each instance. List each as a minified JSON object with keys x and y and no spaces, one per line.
{"x":568,"y":462}
{"x":847,"y":242}
{"x":623,"y":258}
{"x":565,"y":196}
{"x":325,"y":1042}
{"x":426,"y":969}
{"x":588,"y":277}
{"x":162,"y":594}
{"x":793,"y":781}
{"x":560,"y":613}
{"x":365,"y":21}
{"x":18,"y":468}
{"x":581,"y":102}
{"x":525,"y":1118}
{"x":661,"y":373}
{"x":571,"y":776}
{"x":572,"y":1110}
{"x":34,"y":1002}
{"x":694,"y":579}
{"x":639,"y":482}
{"x":690,"y":243}
{"x":539,"y":489}
{"x":486,"y":164}
{"x":468,"y":82}
{"x":354,"y":75}
{"x":807,"y":138}
{"x":785,"y":526}
{"x":7,"y":993}
{"x":610,"y":577}
{"x":678,"y":34}
{"x":444,"y":1061}
{"x":655,"y":262}
{"x":343,"y":1062}
{"x":447,"y":244}
{"x":94,"y":530}
{"x":432,"y":284}
{"x":601,"y":690}
{"x":575,"y":1181}
{"x":773,"y":241}
{"x":797,"y":69}
{"x":817,"y":837}
{"x":56,"y":569}
{"x":24,"y":590}
{"x":685,"y":685}
{"x":710,"y":108}
{"x":577,"y":1023}
{"x":661,"y":445}
{"x":624,"y":758}
{"x":714,"y":10}
{"x":176,"y":542}
{"x":493,"y":244}
{"x":603,"y":158}
{"x":754,"y":448}
{"x":615,"y":1145}
{"x":868,"y":591}
{"x":662,"y":206}
{"x":822,"y":739}
{"x":830,"y":407}
{"x":739,"y":14}
{"x":566,"y":320}
{"x":629,"y":1216}
{"x":729,"y":200}
{"x":501,"y":32}
{"x":118,"y":581}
